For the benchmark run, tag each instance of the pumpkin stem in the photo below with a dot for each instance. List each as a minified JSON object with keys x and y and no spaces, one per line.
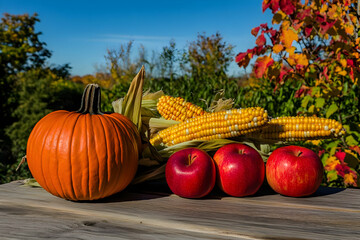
{"x":90,"y":101}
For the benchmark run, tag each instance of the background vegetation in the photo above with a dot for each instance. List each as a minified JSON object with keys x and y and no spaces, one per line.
{"x":307,"y":64}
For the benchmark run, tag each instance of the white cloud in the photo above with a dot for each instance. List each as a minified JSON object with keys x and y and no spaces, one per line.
{"x":138,"y":38}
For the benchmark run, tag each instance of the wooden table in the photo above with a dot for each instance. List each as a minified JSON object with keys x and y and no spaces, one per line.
{"x":150,"y":211}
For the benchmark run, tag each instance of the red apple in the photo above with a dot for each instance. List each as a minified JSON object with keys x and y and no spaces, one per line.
{"x":294,"y":171}
{"x":190,"y":173}
{"x":240,"y":169}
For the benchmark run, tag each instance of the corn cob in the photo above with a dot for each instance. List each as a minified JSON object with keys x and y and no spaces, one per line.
{"x":223,"y":124}
{"x":177,"y":109}
{"x":300,"y":128}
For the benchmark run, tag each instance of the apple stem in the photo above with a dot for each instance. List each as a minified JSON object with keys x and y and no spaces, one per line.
{"x":299,"y":154}
{"x":241,"y":151}
{"x":190,"y":159}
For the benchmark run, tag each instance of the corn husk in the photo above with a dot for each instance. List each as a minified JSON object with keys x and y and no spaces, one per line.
{"x":152,"y":96}
{"x":219,"y":103}
{"x":140,"y":110}
{"x":130,"y":105}
{"x":158,"y":124}
{"x":30,"y":182}
{"x":149,"y":104}
{"x":215,"y":144}
{"x":155,"y":168}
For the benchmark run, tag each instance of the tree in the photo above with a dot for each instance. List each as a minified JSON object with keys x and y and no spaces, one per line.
{"x":20,"y":47}
{"x":209,"y":56}
{"x":316,"y":43}
{"x":314,"y":40}
{"x":29,"y":88}
{"x":20,"y":50}
{"x":40,"y":92}
{"x":168,"y":59}
{"x":121,"y":65}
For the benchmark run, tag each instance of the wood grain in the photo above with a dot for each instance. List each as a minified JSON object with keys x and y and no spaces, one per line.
{"x":150,"y":211}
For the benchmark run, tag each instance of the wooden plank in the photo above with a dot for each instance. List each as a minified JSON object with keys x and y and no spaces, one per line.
{"x":152,"y":212}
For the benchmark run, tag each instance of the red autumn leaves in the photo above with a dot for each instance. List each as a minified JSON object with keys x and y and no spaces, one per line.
{"x":287,"y":6}
{"x":310,"y":35}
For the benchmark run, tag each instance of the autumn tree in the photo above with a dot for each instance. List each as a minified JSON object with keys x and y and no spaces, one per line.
{"x":315,"y":43}
{"x":309,"y":41}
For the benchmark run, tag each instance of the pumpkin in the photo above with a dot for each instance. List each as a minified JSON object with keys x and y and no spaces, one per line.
{"x":84,"y":155}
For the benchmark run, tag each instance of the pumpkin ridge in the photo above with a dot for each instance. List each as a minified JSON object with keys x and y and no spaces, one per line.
{"x":48,"y":152}
{"x":73,"y":191}
{"x":123,"y":128}
{"x":128,"y":124}
{"x":88,"y":155}
{"x":124,"y":152}
{"x":48,"y":181}
{"x":37,"y":135}
{"x":47,"y":166}
{"x":102,"y":183}
{"x":93,"y":152}
{"x":59,"y":182}
{"x":114,"y":187}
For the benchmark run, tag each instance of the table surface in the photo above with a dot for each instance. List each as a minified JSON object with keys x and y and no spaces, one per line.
{"x":150,"y":211}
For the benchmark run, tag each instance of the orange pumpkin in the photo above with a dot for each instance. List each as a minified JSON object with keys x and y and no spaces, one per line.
{"x":84,"y":155}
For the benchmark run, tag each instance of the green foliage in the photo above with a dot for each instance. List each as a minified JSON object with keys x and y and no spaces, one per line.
{"x":278,"y":103}
{"x":20,"y":50}
{"x":20,"y":47}
{"x":110,"y":95}
{"x":40,"y":92}
{"x":209,"y":58}
{"x":121,"y":65}
{"x":168,"y":59}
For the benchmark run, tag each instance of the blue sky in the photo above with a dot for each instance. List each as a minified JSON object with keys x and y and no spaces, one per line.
{"x":80,"y":32}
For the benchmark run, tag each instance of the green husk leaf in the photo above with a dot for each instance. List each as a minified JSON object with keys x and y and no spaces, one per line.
{"x":31,"y":182}
{"x":161,"y":123}
{"x":152,"y":96}
{"x":148,"y":162}
{"x":147,"y":112}
{"x":118,"y":105}
{"x":158,"y":173}
{"x":213,"y":145}
{"x":130,"y":105}
{"x":149,"y":103}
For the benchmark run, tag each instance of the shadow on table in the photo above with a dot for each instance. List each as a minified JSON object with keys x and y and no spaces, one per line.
{"x":217,"y":193}
{"x":159,"y":189}
{"x":323,"y":191}
{"x":138,"y":192}
{"x":266,"y":190}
